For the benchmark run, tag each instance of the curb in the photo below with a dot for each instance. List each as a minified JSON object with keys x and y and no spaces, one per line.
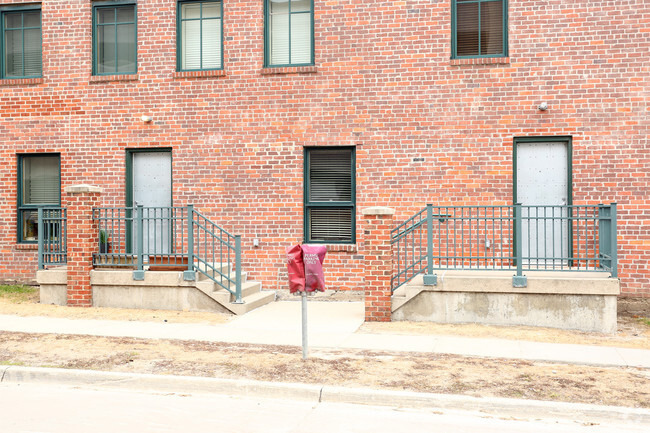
{"x":325,"y":393}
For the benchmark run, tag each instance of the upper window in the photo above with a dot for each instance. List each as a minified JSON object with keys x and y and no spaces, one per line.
{"x":39,"y":185}
{"x":479,"y":28}
{"x":199,"y":35}
{"x":329,"y":195}
{"x":289,"y":33}
{"x":21,"y":47}
{"x":114,"y":39}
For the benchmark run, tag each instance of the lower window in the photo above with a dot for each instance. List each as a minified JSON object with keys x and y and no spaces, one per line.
{"x":39,"y":185}
{"x":330,"y":195}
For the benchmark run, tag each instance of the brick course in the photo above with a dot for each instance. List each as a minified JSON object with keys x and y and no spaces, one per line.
{"x":426,"y":128}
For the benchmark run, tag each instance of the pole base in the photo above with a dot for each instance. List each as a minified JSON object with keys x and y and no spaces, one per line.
{"x":430,"y":280}
{"x":519,"y":281}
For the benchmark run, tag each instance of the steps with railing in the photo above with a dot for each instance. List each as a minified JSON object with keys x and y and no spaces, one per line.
{"x":162,"y":238}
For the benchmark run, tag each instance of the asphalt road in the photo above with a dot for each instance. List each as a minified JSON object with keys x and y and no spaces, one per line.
{"x":41,"y":408}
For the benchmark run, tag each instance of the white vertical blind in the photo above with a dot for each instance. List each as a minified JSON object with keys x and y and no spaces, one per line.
{"x":279,"y":38}
{"x":211,"y":44}
{"x":191,"y":49}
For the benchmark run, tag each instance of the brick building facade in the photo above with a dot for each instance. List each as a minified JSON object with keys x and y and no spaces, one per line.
{"x":423,"y":126}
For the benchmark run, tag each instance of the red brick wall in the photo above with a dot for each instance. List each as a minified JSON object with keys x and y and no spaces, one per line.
{"x":427,"y":129}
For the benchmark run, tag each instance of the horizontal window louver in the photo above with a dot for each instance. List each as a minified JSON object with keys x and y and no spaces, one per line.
{"x":330,"y":176}
{"x":330,"y":225}
{"x":41,"y":181}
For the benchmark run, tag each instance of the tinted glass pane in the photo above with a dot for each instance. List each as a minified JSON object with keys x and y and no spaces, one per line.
{"x":29,"y":222}
{"x":212,"y":10}
{"x":32,"y":52}
{"x":280,"y":39}
{"x":105,"y":16}
{"x":492,"y":28}
{"x":106,"y":60}
{"x":300,"y":38}
{"x":300,"y":5}
{"x":191,"y":10}
{"x":13,"y":65}
{"x":126,"y":48}
{"x":467,"y":29}
{"x":191,"y":45}
{"x":211,"y":44}
{"x":126,"y":14}
{"x":32,"y":19}
{"x":13,"y":21}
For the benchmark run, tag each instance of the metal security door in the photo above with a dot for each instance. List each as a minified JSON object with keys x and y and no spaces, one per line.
{"x":542,"y":187}
{"x":152,"y":189}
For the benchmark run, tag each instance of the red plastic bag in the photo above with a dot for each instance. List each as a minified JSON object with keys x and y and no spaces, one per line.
{"x":313,"y":256}
{"x":295,"y":269}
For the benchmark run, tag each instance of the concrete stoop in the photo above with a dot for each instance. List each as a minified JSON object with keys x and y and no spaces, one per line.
{"x":584,"y":301}
{"x":160,"y":290}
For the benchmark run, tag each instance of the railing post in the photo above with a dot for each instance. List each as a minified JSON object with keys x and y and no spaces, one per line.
{"x":614,"y":242}
{"x":607,"y":238}
{"x":138,"y":274}
{"x":430,"y":279}
{"x":41,"y":235}
{"x":189,"y":274}
{"x":238,"y":298}
{"x":519,"y":280}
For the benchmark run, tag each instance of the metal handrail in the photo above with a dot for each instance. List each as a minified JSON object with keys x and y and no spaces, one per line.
{"x":518,"y":237}
{"x":169,"y":237}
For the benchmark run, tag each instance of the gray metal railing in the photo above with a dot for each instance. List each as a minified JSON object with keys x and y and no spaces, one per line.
{"x":52,"y":237}
{"x":519,"y":238}
{"x":168,"y":238}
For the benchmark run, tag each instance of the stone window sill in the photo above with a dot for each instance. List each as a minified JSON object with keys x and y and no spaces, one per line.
{"x":200,"y":74}
{"x":481,"y":61}
{"x":289,"y":70}
{"x":109,"y":78}
{"x":20,"y":81}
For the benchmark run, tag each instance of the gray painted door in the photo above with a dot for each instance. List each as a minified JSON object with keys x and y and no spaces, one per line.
{"x":152,"y":188}
{"x":543,"y":181}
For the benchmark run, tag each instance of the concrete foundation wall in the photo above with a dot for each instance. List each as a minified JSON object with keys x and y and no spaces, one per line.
{"x":583,"y":312}
{"x":565,"y":300}
{"x":117,"y":289}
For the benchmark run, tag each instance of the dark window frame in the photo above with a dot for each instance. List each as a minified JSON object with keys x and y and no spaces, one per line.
{"x":267,"y":37}
{"x":454,"y":35}
{"x":20,"y":206}
{"x":179,"y":33}
{"x":347,"y":205}
{"x":19,"y":9}
{"x":101,"y":5}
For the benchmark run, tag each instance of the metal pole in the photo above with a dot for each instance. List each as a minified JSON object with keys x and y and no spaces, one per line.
{"x":304,"y":325}
{"x":238,"y":298}
{"x":614,"y":241}
{"x":188,"y":275}
{"x":40,"y":238}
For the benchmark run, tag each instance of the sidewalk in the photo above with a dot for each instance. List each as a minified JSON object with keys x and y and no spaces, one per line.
{"x":331,"y":325}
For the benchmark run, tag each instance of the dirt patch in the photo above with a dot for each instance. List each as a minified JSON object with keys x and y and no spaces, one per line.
{"x":354,"y":368}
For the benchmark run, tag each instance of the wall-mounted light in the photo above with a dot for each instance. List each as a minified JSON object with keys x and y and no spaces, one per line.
{"x":543,"y":106}
{"x":146,"y":118}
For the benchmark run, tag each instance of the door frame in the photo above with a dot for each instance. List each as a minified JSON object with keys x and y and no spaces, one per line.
{"x":128,"y":196}
{"x":547,"y":139}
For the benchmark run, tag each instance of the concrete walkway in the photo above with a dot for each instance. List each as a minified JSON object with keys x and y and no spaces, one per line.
{"x":331,"y":325}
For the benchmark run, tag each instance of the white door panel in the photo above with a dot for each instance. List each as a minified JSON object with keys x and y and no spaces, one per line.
{"x":543,"y":180}
{"x":152,"y":188}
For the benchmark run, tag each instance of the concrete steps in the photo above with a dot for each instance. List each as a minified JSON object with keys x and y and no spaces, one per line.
{"x":252,"y":294}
